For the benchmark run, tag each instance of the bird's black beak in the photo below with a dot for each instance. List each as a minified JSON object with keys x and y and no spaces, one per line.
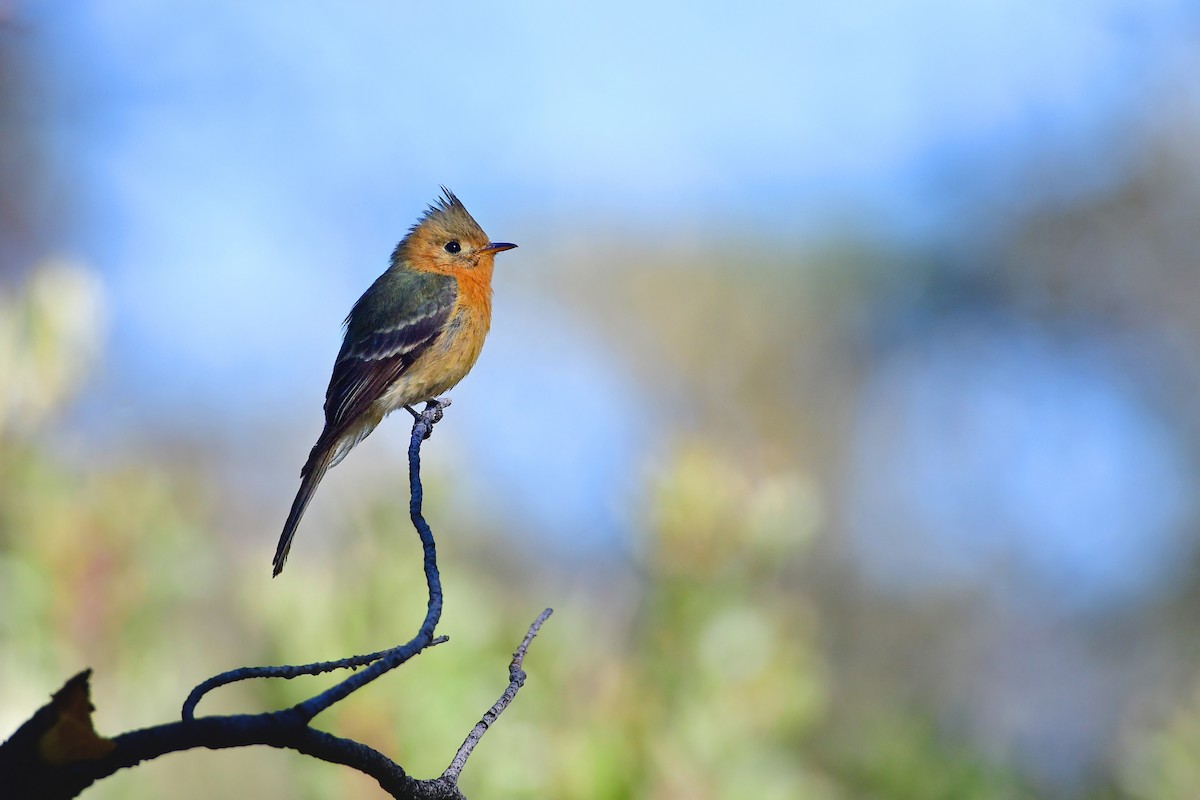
{"x":496,"y":247}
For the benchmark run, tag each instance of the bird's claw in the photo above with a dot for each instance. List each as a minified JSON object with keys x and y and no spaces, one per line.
{"x":431,"y":415}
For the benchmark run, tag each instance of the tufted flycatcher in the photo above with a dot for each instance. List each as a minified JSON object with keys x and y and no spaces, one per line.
{"x":413,"y":335}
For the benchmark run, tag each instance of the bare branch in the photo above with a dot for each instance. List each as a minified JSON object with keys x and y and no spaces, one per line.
{"x":516,"y":678}
{"x":384,"y":660}
{"x":22,"y":768}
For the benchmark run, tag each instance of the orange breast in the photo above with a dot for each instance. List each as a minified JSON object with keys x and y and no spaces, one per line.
{"x":448,"y":360}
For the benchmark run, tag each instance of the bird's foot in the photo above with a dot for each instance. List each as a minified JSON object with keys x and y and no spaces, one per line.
{"x":431,"y":415}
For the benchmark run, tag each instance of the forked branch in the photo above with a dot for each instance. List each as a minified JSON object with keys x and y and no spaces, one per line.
{"x":57,"y":754}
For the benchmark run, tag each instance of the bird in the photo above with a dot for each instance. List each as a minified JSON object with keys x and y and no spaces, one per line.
{"x":414,"y":334}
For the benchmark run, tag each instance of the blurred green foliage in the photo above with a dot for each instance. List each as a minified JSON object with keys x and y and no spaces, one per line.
{"x":1161,"y":762}
{"x":695,"y":670}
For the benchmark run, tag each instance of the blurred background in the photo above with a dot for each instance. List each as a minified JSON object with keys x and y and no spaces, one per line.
{"x":839,"y":398}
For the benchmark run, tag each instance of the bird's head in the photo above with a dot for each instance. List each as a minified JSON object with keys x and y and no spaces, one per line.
{"x":448,"y":240}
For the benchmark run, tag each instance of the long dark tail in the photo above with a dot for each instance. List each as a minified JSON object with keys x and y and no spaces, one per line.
{"x":319,"y":461}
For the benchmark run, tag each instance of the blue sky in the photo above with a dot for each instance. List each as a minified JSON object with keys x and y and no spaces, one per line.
{"x":225,"y":151}
{"x":241,"y":170}
{"x":659,"y":112}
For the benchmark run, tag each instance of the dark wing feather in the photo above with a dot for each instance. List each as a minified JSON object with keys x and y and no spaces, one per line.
{"x":373,"y":356}
{"x":389,"y":327}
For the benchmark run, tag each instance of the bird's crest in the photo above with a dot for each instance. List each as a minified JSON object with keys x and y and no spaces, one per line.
{"x":448,"y":213}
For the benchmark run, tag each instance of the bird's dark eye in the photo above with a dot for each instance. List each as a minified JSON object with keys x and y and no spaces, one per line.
{"x":453,"y":247}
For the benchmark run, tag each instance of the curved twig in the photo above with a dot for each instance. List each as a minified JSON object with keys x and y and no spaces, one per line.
{"x":383,"y":660}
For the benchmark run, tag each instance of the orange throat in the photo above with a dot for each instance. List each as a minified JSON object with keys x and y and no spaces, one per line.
{"x":475,"y":291}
